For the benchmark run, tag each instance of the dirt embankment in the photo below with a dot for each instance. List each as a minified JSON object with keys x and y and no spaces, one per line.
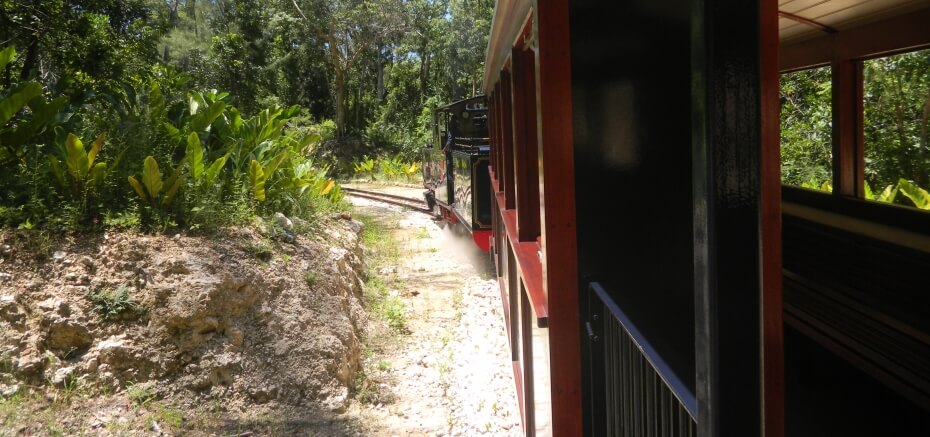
{"x":255,"y":321}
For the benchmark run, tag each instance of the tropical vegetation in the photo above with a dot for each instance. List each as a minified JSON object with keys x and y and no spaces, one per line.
{"x":896,"y":129}
{"x":193,"y":114}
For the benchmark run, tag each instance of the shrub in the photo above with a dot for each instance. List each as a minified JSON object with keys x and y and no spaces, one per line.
{"x":170,"y":157}
{"x":112,"y":304}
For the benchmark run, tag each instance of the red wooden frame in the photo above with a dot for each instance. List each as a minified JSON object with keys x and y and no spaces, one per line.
{"x":531,"y":128}
{"x":773,"y":345}
{"x":524,"y":141}
{"x":508,"y":185}
{"x":558,"y":225}
{"x":900,"y":34}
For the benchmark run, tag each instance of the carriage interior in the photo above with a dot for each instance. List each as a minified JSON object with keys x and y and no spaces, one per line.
{"x":662,"y":108}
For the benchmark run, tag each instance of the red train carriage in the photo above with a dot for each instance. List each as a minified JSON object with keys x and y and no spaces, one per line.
{"x":656,"y":275}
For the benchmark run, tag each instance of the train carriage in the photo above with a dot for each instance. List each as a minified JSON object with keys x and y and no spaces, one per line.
{"x":657,"y":276}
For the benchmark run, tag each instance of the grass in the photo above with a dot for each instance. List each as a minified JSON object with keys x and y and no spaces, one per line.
{"x":112,"y":304}
{"x":310,"y":278}
{"x":422,"y":233}
{"x":10,"y":409}
{"x":165,"y":416}
{"x":141,"y":393}
{"x":261,"y":250}
{"x":394,"y":312}
{"x":370,"y":392}
{"x":381,"y":248}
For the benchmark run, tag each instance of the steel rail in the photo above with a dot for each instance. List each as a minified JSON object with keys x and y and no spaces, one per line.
{"x":393,"y":199}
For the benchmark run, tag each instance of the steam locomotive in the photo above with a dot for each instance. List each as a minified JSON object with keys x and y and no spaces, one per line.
{"x":455,"y":168}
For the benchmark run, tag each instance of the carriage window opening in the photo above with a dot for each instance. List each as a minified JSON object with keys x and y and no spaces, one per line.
{"x":806,"y":129}
{"x":896,"y":129}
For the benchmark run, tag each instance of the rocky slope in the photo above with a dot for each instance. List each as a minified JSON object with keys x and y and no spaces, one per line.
{"x":247,"y":317}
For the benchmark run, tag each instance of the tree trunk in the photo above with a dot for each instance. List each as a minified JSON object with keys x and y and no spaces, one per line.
{"x":32,"y":58}
{"x":424,"y":75}
{"x":192,"y":7}
{"x":380,"y":90}
{"x":453,"y":84}
{"x":358,"y":105}
{"x":906,"y":163}
{"x":173,"y":17}
{"x":340,"y":82}
{"x":924,"y":146}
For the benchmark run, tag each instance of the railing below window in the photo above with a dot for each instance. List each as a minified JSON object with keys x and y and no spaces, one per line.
{"x":633,"y":391}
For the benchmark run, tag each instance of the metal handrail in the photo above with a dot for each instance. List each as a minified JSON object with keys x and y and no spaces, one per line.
{"x":675,"y":385}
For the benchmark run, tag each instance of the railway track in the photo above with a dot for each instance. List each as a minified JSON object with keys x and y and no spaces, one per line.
{"x":393,"y":199}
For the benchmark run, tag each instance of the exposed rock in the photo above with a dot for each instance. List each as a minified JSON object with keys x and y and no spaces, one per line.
{"x":9,"y":390}
{"x":114,"y":352}
{"x":55,"y":306}
{"x":9,"y":310}
{"x":63,"y":330}
{"x":206,"y":321}
{"x":88,"y":262}
{"x":282,"y":221}
{"x":30,"y":363}
{"x":66,"y":335}
{"x":62,"y":375}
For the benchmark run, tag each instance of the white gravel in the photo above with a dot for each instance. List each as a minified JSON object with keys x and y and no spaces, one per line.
{"x":451,"y":374}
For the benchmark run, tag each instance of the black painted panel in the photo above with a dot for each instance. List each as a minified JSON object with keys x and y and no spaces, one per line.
{"x":887,"y":278}
{"x":631,"y":105}
{"x":827,"y":396}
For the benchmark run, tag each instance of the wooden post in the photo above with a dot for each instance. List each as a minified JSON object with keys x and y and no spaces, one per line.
{"x":737,"y":236}
{"x":557,"y":201}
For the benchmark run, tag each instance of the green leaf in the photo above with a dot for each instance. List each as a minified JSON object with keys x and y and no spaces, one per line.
{"x":97,"y":173}
{"x":17,"y":99}
{"x":257,"y":179}
{"x":328,"y":188}
{"x":888,"y":194}
{"x":151,"y":176}
{"x":868,"y":191}
{"x":194,"y":105}
{"x":308,"y":141}
{"x":138,"y":187}
{"x":275,"y":162}
{"x":194,"y":155}
{"x":76,"y":157}
{"x":173,"y":183}
{"x":44,"y":112}
{"x":95,"y":149}
{"x":214,"y":170}
{"x":6,"y":55}
{"x":919,"y":196}
{"x":56,"y":170}
{"x":173,"y":132}
{"x":203,"y":120}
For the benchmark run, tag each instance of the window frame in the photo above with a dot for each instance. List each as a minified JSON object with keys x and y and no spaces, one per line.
{"x":845,"y":53}
{"x":832,"y":134}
